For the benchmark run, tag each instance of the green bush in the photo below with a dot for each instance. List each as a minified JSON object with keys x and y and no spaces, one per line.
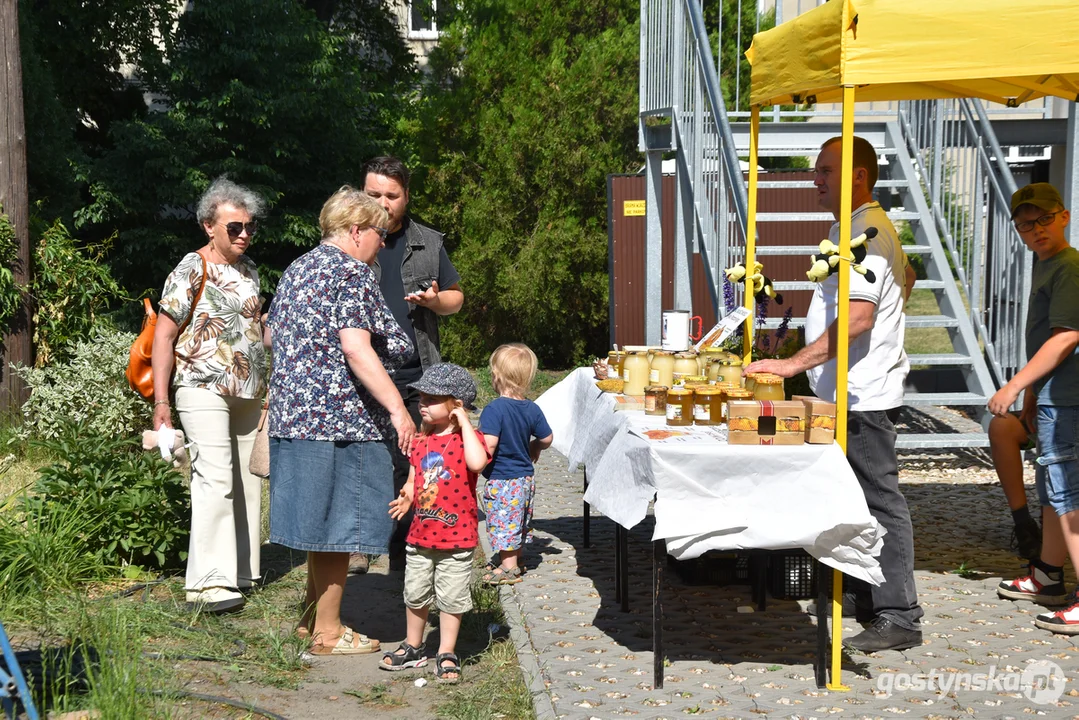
{"x":89,"y":389}
{"x":135,"y":505}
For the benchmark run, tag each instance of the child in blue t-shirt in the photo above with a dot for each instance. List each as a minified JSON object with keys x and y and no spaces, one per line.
{"x":516,"y":433}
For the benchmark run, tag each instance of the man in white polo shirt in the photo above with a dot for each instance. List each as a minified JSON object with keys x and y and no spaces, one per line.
{"x":878,"y":369}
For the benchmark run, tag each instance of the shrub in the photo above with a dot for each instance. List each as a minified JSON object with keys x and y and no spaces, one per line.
{"x":136,"y":506}
{"x":89,"y":389}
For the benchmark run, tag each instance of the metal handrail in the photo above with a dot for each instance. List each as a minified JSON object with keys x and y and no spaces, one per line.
{"x":968,"y":185}
{"x":679,"y":81}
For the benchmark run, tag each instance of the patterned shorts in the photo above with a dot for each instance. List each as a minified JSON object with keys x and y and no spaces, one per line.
{"x":508,"y":506}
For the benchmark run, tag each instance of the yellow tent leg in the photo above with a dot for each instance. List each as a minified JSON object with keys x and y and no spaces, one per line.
{"x":842,"y":358}
{"x":751,"y":230}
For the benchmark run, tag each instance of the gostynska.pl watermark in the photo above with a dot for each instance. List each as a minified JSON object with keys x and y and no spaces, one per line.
{"x":1040,"y":682}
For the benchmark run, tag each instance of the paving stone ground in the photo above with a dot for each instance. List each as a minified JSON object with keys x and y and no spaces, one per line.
{"x":596,"y":662}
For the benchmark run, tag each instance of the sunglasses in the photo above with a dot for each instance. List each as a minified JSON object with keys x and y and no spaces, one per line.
{"x":235,"y":228}
{"x":1044,"y":221}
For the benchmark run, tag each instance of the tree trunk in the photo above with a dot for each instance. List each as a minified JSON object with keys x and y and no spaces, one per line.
{"x":14,"y":199}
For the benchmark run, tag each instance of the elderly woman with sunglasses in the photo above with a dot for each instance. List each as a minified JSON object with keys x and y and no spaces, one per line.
{"x":212,"y":356}
{"x":335,"y":343}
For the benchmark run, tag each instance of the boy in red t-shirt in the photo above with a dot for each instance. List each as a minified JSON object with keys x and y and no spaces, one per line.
{"x":445,"y":458}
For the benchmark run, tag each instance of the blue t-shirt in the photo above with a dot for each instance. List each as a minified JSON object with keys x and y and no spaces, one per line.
{"x":515,"y":422}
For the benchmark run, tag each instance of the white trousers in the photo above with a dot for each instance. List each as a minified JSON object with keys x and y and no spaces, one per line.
{"x":226,"y":499}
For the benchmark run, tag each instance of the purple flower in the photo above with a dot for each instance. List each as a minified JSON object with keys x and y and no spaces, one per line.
{"x":728,"y":296}
{"x":781,"y":333}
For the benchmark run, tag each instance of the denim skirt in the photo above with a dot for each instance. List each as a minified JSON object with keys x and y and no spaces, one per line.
{"x":328,"y":496}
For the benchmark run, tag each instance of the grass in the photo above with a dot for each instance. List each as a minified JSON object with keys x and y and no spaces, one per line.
{"x":924,"y":341}
{"x":485,"y":391}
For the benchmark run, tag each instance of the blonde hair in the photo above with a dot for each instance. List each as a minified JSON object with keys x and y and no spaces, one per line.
{"x":347,"y":207}
{"x":513,"y":367}
{"x":425,"y":427}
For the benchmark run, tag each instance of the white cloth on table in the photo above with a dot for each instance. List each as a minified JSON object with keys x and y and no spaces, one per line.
{"x":711,"y":495}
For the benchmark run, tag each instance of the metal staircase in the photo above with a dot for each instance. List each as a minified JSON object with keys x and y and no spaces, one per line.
{"x":943,"y":175}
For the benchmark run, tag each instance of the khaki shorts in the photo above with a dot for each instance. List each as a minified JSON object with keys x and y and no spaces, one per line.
{"x":439,"y":576}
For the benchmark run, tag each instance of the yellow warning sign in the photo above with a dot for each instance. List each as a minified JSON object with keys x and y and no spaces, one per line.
{"x":633,"y":208}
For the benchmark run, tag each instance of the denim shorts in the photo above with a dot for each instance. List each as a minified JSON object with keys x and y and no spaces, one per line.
{"x":1057,"y":469}
{"x":330,"y":496}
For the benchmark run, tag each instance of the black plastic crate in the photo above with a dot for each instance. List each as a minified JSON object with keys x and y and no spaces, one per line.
{"x":792,"y":575}
{"x":712,"y":568}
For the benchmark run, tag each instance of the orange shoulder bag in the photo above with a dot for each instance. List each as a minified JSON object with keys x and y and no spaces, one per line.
{"x":140,"y":373}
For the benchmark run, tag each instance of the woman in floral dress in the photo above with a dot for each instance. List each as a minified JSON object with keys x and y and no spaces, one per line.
{"x":217,"y":366}
{"x":335,"y":343}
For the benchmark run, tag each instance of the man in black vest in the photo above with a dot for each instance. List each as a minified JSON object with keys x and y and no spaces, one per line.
{"x":419,"y":283}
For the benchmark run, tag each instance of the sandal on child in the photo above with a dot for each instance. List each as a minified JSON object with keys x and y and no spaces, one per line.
{"x":441,"y":670}
{"x":404,"y":657}
{"x":503,"y":576}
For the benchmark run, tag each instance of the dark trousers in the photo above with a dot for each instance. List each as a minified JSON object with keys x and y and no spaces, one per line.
{"x":400,"y":472}
{"x":871,"y":453}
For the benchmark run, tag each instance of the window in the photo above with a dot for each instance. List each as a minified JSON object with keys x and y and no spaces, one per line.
{"x":421,"y":19}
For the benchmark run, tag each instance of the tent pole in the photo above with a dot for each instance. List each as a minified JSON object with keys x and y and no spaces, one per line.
{"x":751,"y":230}
{"x":842,"y":356}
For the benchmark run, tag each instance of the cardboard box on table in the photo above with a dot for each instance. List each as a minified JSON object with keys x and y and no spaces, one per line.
{"x":820,"y":420}
{"x":763,"y":422}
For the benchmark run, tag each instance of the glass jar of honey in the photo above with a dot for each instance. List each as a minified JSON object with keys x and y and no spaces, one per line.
{"x":662,"y":368}
{"x":655,"y":400}
{"x":685,"y":365}
{"x":769,"y":387}
{"x":679,"y":406}
{"x":708,"y":354}
{"x":635,"y":373}
{"x":749,"y":381}
{"x":693,"y":381}
{"x":734,"y":393}
{"x":729,"y":371}
{"x":615,"y":360}
{"x":708,"y":405}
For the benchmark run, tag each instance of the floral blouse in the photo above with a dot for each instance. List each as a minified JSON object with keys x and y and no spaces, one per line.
{"x":221,"y":348}
{"x":315,"y":395}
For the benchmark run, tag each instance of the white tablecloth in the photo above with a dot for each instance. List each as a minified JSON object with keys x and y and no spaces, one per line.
{"x":710,"y":495}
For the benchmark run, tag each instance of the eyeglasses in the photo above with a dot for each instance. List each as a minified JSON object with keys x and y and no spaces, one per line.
{"x":1044,"y":221}
{"x":235,"y":228}
{"x":382,"y":232}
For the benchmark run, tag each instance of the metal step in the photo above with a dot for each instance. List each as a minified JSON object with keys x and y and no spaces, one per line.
{"x":808,"y":184}
{"x":808,"y":250}
{"x":931,"y":321}
{"x":782,"y":285}
{"x":939,"y":359}
{"x":915,"y":441}
{"x":795,"y":151}
{"x":947,"y":398}
{"x":824,"y":216}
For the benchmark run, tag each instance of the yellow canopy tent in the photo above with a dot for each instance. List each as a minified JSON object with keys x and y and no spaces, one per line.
{"x":881,"y":50}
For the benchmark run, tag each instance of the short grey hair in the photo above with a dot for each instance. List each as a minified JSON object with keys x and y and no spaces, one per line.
{"x":223,"y":191}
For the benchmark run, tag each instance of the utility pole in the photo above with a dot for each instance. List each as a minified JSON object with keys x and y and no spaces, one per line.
{"x":14,"y":199}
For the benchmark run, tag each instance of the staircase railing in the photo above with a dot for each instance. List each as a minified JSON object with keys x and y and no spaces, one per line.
{"x":969,"y":185}
{"x":679,"y":81}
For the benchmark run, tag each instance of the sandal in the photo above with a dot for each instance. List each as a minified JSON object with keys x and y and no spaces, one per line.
{"x":453,"y":667}
{"x":503,"y":576}
{"x":345,"y":645}
{"x":404,"y":657}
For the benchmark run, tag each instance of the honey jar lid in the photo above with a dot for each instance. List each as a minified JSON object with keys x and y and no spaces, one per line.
{"x":729,"y":361}
{"x":708,"y":390}
{"x":662,"y":353}
{"x":686,"y":355}
{"x":739,"y":393}
{"x":695,"y":378}
{"x":655,"y":388}
{"x":769,"y":379}
{"x":679,"y":391}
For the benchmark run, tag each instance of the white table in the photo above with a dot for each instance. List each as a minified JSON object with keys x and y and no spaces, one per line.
{"x":710,"y":495}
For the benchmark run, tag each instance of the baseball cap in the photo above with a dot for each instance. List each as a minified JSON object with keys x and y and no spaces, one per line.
{"x":1041,"y":195}
{"x":448,"y":379}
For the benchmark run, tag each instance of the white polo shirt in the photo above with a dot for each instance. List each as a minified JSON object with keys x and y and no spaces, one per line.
{"x":878,"y":363}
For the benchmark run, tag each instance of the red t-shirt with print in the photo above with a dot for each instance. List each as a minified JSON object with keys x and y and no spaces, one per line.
{"x":444,"y":512}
